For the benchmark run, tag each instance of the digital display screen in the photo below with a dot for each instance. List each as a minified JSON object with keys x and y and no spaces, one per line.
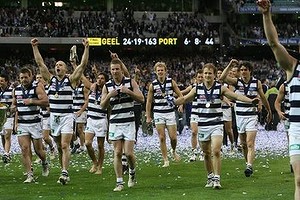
{"x":150,"y":41}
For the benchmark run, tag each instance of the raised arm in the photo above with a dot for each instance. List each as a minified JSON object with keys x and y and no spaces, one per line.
{"x":285,"y":60}
{"x":123,"y":66}
{"x":76,"y":75}
{"x":137,"y":74}
{"x":73,"y":57}
{"x":73,"y":64}
{"x":40,"y":61}
{"x":225,"y":74}
{"x":87,"y":84}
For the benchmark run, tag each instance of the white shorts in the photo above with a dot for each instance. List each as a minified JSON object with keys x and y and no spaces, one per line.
{"x":61,"y":124}
{"x":34,"y":130}
{"x":194,"y":118}
{"x":98,"y":127}
{"x":205,"y":133}
{"x":227,"y":115}
{"x":245,"y":124}
{"x":124,"y":131}
{"x":294,"y":139}
{"x":81,"y":118}
{"x":164,"y":118}
{"x":46,"y":123}
{"x":8,"y":125}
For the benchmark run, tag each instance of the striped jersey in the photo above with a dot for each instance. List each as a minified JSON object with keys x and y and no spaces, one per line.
{"x":160,"y":92}
{"x":122,"y":104}
{"x":27,"y":114}
{"x":94,"y":109}
{"x":6,"y":96}
{"x":78,"y":99}
{"x":44,"y":111}
{"x":60,"y":96}
{"x":209,"y":111}
{"x":250,"y":90}
{"x":286,"y":102}
{"x":294,"y":95}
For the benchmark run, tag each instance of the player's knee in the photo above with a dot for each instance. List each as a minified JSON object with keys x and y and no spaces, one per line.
{"x":118,"y":154}
{"x":162,"y":138}
{"x":101,"y":146}
{"x":250,"y":145}
{"x":25,"y":149}
{"x":88,"y":143}
{"x":64,"y":146}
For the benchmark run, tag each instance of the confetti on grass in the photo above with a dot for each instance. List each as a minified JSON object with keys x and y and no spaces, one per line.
{"x":268,"y":143}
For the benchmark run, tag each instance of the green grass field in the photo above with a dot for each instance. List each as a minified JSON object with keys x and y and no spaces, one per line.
{"x":271,"y":180}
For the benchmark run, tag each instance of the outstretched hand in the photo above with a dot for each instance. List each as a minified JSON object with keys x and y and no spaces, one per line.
{"x":263,"y":5}
{"x":34,"y":42}
{"x":113,"y":55}
{"x":233,"y":62}
{"x":85,"y":42}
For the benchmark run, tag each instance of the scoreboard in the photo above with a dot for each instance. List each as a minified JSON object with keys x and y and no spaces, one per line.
{"x":152,"y":41}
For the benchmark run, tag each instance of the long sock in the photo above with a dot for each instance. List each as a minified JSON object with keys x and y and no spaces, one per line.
{"x":131,"y":171}
{"x":217,"y":177}
{"x":120,"y":181}
{"x":210,"y":175}
{"x":64,"y":173}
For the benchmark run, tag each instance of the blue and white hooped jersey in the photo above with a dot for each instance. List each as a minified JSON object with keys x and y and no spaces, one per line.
{"x":27,"y":114}
{"x":122,"y":104}
{"x":286,"y":101}
{"x":78,"y":99}
{"x":60,"y":96}
{"x":44,"y":111}
{"x":209,"y":111}
{"x":250,"y":90}
{"x":6,"y":95}
{"x":159,"y":96}
{"x":95,"y":111}
{"x":294,"y":96}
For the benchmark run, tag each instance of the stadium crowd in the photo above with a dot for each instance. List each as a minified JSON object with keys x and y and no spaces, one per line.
{"x":55,"y":22}
{"x":255,"y":31}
